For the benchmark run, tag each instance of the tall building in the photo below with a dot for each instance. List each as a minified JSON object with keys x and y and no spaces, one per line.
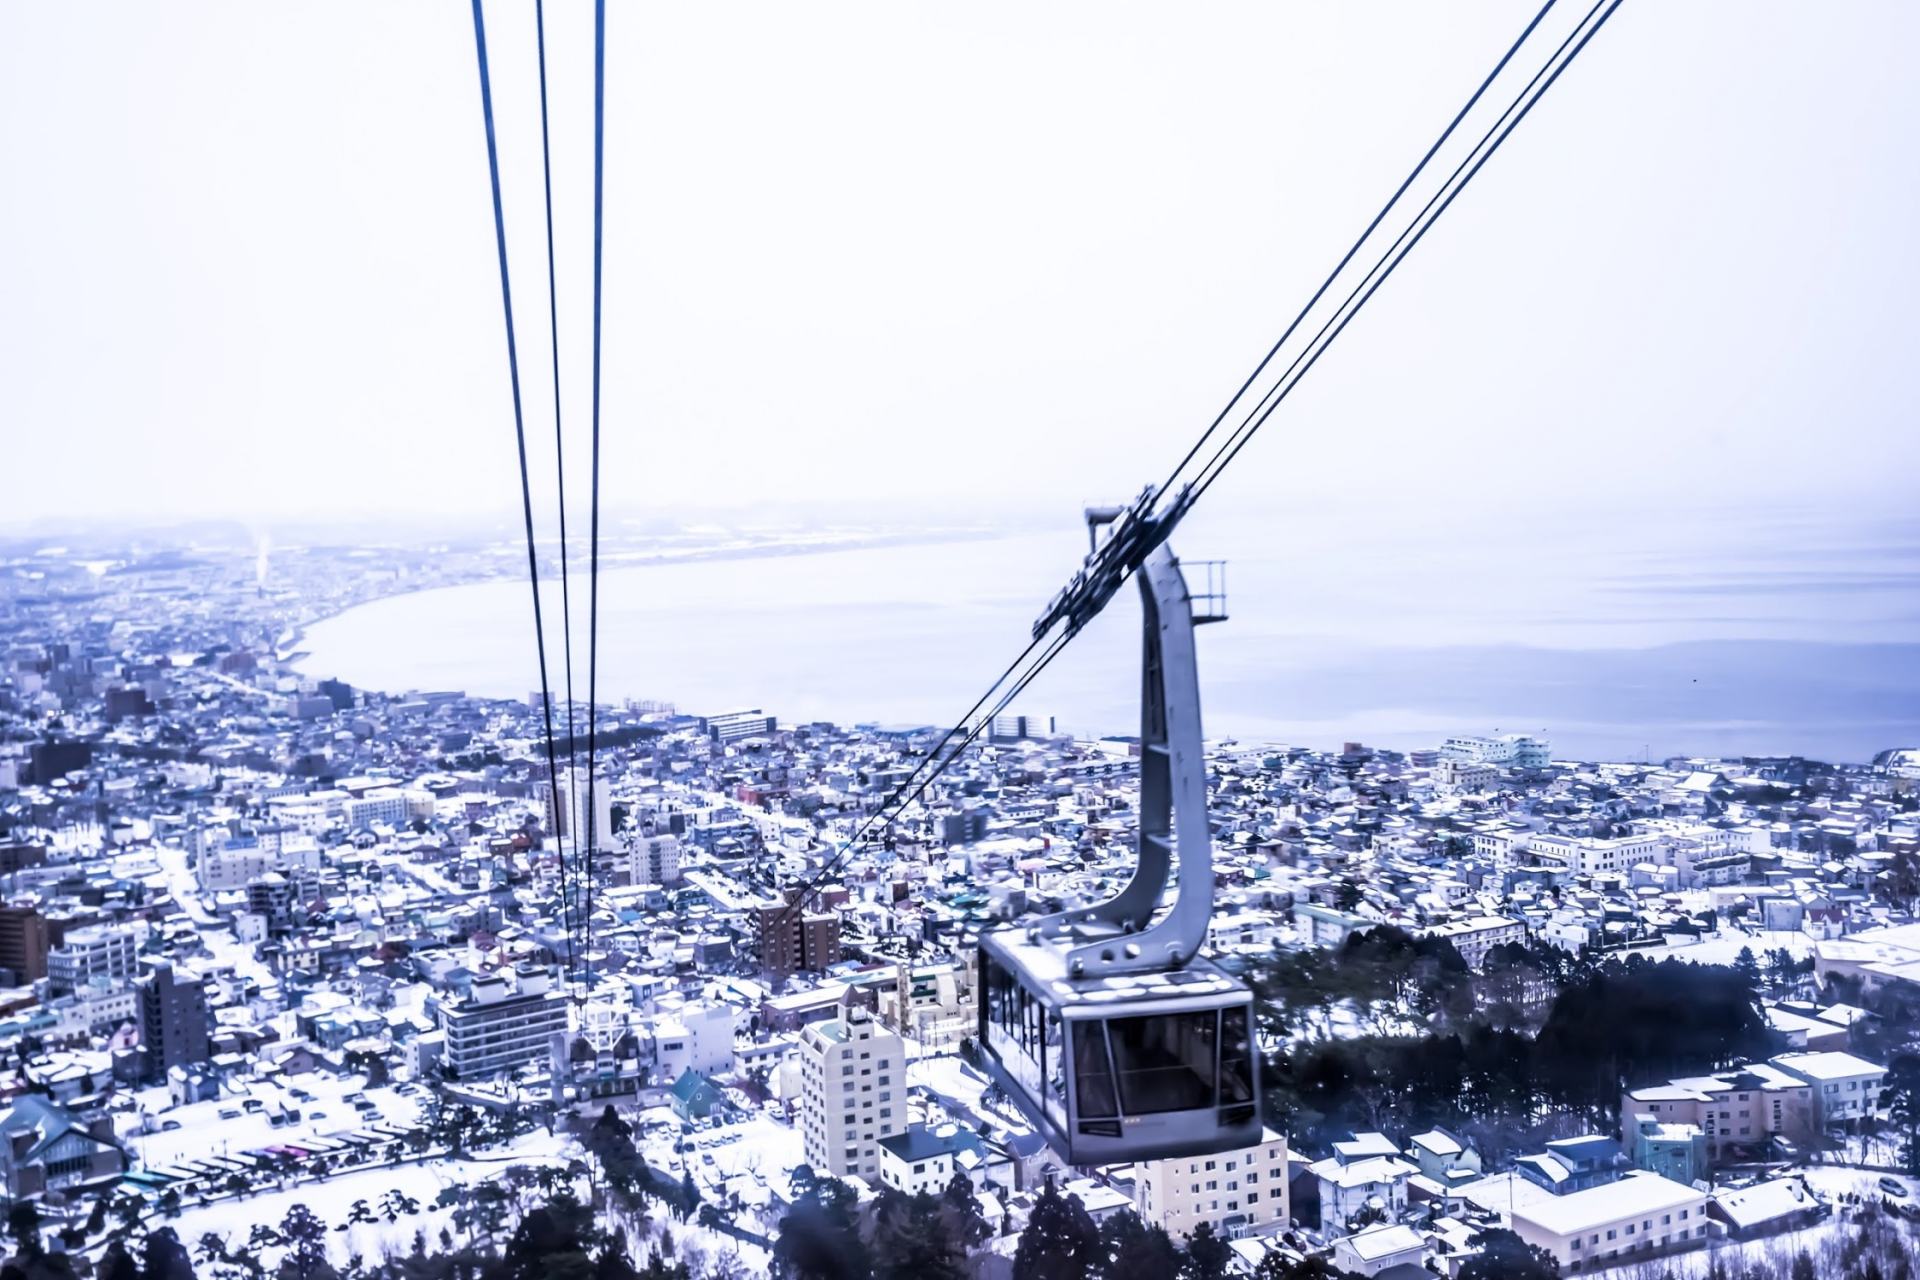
{"x":497,"y":1027}
{"x":853,"y":1092}
{"x":568,"y":816}
{"x":174,"y":1021}
{"x":1237,"y":1192}
{"x":654,"y":860}
{"x":792,"y":939}
{"x":739,"y":724}
{"x":96,"y":951}
{"x":23,"y":944}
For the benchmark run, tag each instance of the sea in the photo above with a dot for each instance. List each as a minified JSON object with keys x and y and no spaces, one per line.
{"x":1755,"y":631}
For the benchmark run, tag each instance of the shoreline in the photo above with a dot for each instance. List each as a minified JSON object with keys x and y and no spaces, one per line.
{"x":767,"y":551}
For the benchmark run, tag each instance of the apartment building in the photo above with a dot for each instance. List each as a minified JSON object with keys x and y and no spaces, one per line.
{"x":1640,"y":1214}
{"x":174,"y":1021}
{"x":1238,"y":1192}
{"x":853,"y":1092}
{"x":654,"y":860}
{"x":1474,"y":936}
{"x":95,"y":951}
{"x":499,"y":1026}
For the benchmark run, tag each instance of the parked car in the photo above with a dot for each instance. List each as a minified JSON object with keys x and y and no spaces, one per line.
{"x":1892,"y":1185}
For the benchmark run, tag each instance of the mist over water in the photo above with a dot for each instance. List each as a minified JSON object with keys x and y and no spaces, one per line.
{"x":1756,"y":632}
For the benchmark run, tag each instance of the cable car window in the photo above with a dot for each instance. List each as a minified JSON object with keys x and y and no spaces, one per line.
{"x":1236,"y":1057}
{"x":1093,"y":1070}
{"x":1055,"y":1063}
{"x":1165,"y":1063}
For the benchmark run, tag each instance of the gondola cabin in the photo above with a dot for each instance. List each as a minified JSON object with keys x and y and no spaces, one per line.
{"x":1139,"y":1066}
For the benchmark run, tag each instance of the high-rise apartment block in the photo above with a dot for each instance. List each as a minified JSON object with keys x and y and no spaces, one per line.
{"x":1237,"y":1192}
{"x":654,"y":860}
{"x":735,"y":725}
{"x":174,"y":1022}
{"x":853,"y":1092}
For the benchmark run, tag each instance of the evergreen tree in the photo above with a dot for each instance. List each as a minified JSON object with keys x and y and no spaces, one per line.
{"x":961,"y":1207}
{"x":167,"y":1257}
{"x":1901,"y":1097}
{"x":1131,"y":1249}
{"x":911,"y":1241}
{"x":1505,"y":1256}
{"x":1748,"y":968}
{"x":1207,"y":1255}
{"x":117,"y":1264}
{"x":1060,"y":1242}
{"x":819,"y":1239}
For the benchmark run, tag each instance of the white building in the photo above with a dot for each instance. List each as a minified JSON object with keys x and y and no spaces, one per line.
{"x":1379,"y":1247}
{"x":566,"y":818}
{"x":926,"y":1159}
{"x":654,"y":860}
{"x":1238,"y":1192}
{"x":1642,"y":1213}
{"x":1474,"y":936}
{"x":1845,"y":1088}
{"x":231,"y":866}
{"x":695,"y":1037}
{"x":1367,"y":1167}
{"x":385,"y":806}
{"x":1590,"y":855}
{"x":1518,"y":750}
{"x":1465,"y":775}
{"x":498,"y":1027}
{"x":96,"y":951}
{"x":853,"y":1093}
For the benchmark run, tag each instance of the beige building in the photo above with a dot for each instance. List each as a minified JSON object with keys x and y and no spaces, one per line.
{"x":654,"y":860}
{"x":1641,"y":1214}
{"x":1239,"y":1192}
{"x":853,"y":1093}
{"x":1474,"y":936}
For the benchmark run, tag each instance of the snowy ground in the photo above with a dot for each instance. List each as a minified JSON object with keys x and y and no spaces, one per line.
{"x":1724,"y":946}
{"x":205,"y":1132}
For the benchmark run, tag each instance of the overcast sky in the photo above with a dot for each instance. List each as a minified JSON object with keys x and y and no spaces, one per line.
{"x":1009,"y":253}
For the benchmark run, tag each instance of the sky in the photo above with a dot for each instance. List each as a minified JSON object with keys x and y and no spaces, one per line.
{"x":993,"y":257}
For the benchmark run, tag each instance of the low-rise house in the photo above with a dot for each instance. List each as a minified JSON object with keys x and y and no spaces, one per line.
{"x":1366,"y":1168}
{"x":1782,"y":1204}
{"x":1381,"y":1247}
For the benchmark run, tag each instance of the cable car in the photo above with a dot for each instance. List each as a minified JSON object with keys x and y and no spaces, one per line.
{"x":1104,"y":1024}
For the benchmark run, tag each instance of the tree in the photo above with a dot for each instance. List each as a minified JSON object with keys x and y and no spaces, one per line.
{"x":910,"y":1240}
{"x":965,"y":1223}
{"x":1207,"y":1255}
{"x":1803,"y":1267}
{"x":819,"y":1239}
{"x":1748,"y":968}
{"x":1901,"y":1098}
{"x":1505,"y":1256}
{"x":23,"y":1224}
{"x":305,"y":1237}
{"x":117,"y":1264}
{"x":166,"y":1257}
{"x":1132,"y":1249}
{"x":1060,"y":1242}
